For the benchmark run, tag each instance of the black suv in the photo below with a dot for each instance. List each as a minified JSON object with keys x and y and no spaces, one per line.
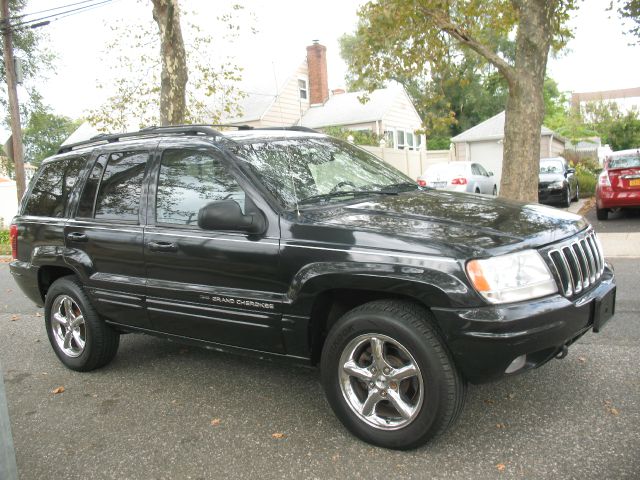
{"x":291,"y":243}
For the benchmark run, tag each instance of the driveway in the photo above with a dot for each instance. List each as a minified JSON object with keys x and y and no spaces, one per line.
{"x":164,"y":411}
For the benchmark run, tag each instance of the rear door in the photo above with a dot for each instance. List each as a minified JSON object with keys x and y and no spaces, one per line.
{"x":104,"y":239}
{"x":218,"y":286}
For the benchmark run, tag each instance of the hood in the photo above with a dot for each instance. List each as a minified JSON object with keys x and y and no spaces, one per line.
{"x":453,"y":224}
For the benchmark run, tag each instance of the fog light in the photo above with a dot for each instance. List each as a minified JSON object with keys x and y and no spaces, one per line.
{"x":517,"y":364}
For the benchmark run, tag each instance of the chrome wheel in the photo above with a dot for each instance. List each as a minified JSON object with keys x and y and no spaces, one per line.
{"x":381,"y":381}
{"x":68,"y":326}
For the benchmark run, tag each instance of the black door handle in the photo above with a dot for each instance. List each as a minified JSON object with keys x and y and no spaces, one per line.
{"x":77,"y":237}
{"x":162,"y":247}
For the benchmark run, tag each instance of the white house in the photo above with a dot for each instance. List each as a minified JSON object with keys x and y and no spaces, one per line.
{"x":484,"y":144}
{"x":304,"y":99}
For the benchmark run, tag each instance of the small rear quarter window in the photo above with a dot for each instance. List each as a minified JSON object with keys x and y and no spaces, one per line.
{"x":50,"y":194}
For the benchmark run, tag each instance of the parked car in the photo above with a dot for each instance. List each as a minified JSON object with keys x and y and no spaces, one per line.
{"x":619,"y":183}
{"x":459,"y":177}
{"x":557,"y":183}
{"x":286,"y":243}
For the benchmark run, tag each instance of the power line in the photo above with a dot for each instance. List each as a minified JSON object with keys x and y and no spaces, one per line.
{"x":22,"y":15}
{"x":44,"y":20}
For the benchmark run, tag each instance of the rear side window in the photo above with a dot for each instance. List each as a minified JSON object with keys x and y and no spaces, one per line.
{"x":114,"y":186}
{"x":50,"y":194}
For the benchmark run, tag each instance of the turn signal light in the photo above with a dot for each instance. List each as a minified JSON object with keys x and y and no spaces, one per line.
{"x":459,"y":181}
{"x":422,"y":183}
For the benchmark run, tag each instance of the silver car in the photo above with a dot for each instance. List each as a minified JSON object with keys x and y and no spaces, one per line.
{"x":460,"y":177}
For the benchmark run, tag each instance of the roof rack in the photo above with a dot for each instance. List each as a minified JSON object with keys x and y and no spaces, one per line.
{"x":206,"y":130}
{"x":145,"y":132}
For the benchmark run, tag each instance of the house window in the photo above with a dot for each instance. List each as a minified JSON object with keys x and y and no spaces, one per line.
{"x":400,"y":137}
{"x":302,"y":88}
{"x":409,"y":136}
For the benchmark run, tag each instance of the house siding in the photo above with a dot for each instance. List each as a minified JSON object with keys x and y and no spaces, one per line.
{"x":288,"y":108}
{"x":401,"y":115}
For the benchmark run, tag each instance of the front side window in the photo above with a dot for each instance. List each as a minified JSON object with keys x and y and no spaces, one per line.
{"x":302,"y":169}
{"x":114,"y":186}
{"x":50,"y":194}
{"x":188,"y":180}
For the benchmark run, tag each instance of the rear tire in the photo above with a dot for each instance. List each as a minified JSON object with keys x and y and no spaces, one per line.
{"x":602,"y":213}
{"x":388,"y":408}
{"x":79,"y":337}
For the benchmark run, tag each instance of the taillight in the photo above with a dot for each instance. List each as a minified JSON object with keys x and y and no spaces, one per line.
{"x":459,"y":181}
{"x":422,"y":183}
{"x":603,"y":179}
{"x":13,"y":237}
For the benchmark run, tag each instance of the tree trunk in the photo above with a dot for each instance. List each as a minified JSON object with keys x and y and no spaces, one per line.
{"x":174,"y":75}
{"x":525,"y":104}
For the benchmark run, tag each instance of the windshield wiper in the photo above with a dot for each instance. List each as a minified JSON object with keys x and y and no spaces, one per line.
{"x":344,"y":193}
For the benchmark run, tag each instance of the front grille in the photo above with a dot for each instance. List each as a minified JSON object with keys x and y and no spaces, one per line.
{"x":579,"y":263}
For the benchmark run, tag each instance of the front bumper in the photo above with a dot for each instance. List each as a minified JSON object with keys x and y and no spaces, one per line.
{"x":484,"y":341}
{"x":550,"y":197}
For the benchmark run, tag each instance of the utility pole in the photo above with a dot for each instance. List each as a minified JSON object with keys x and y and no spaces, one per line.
{"x":14,"y":108}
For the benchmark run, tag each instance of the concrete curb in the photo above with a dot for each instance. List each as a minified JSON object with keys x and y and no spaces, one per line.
{"x":8,"y":469}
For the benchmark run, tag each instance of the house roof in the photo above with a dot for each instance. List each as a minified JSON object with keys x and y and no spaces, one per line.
{"x":346,"y":108}
{"x":490,"y":129}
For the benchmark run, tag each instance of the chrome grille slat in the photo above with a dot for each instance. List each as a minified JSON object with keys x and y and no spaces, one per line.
{"x":578,"y":263}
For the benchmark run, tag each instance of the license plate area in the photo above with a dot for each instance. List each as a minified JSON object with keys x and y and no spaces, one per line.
{"x":438,"y":184}
{"x":634,"y":182}
{"x":604,"y":308}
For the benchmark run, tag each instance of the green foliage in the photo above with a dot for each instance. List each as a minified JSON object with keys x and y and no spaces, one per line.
{"x":360,"y":137}
{"x":44,"y":134}
{"x":438,"y":143}
{"x":629,"y":10}
{"x":135,"y":62}
{"x":4,"y":236}
{"x":587,"y":179}
{"x":621,"y":130}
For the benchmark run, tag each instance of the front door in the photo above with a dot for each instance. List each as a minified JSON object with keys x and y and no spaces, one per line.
{"x":218,"y":286}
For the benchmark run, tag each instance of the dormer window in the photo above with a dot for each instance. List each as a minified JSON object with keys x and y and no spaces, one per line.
{"x":302,"y":88}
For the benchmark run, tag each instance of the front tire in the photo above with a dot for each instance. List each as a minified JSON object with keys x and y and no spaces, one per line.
{"x":566,"y":202}
{"x":388,"y":376}
{"x":79,"y":337}
{"x":576,"y":197}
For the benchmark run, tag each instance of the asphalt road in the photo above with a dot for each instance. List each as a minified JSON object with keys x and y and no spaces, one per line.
{"x":621,"y":221}
{"x":149,"y":414}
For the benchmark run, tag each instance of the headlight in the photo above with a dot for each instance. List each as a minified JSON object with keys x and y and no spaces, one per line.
{"x":512,"y":278}
{"x":555,"y":185}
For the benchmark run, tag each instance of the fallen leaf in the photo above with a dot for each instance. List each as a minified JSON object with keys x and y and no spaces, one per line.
{"x":57,"y":390}
{"x":335,"y":457}
{"x":15,"y":317}
{"x":582,"y":359}
{"x":489,"y":402}
{"x":38,"y":314}
{"x":215,"y":422}
{"x":512,"y":396}
{"x":501,"y":467}
{"x":9,"y":290}
{"x":500,"y":425}
{"x":614,"y":411}
{"x":278,"y":435}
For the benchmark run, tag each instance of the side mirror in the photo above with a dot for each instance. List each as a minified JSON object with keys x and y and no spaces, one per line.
{"x":490,"y":173}
{"x":227,"y":215}
{"x":571,"y":170}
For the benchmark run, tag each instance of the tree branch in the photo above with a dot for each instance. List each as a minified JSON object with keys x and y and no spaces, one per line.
{"x":444,"y":23}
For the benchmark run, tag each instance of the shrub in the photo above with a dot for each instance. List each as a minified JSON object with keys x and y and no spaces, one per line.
{"x":587,"y":179}
{"x":4,"y":236}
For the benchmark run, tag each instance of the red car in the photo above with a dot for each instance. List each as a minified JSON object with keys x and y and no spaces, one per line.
{"x":619,"y":183}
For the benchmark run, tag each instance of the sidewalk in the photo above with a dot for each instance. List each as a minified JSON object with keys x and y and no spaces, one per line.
{"x":614,"y":244}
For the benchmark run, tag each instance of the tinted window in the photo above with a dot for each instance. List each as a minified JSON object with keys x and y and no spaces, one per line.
{"x":88,"y":197}
{"x":51,"y":191}
{"x":121,"y":185}
{"x":189,"y":180}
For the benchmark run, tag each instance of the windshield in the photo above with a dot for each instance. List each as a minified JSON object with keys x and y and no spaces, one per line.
{"x":627,"y":161}
{"x":318,"y":170}
{"x":551,"y":166}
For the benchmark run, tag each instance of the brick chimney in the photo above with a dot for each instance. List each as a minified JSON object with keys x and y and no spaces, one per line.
{"x":318,"y":81}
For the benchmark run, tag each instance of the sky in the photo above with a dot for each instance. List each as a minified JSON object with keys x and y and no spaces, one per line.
{"x":598,"y":58}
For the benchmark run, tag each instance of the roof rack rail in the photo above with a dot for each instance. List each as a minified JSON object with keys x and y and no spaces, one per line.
{"x":293,"y":128}
{"x":144,"y":132}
